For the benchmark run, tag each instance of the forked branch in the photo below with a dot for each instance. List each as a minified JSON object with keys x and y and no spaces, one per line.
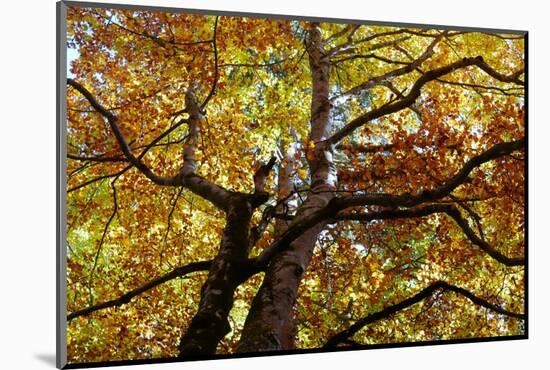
{"x":383,"y":199}
{"x":448,"y":209}
{"x":425,"y":293}
{"x":197,"y":184}
{"x":414,"y":93}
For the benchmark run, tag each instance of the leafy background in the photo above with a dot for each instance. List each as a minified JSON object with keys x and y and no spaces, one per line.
{"x":357,"y":269}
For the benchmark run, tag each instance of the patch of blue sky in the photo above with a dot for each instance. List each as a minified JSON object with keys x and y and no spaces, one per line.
{"x":72,"y":54}
{"x":359,"y":247}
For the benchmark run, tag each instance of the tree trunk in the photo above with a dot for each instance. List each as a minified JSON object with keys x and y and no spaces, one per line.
{"x":285,"y":188}
{"x":270,"y":316}
{"x":210,"y":323}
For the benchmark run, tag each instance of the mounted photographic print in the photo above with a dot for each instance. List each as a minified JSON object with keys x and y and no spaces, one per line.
{"x":238,"y":185}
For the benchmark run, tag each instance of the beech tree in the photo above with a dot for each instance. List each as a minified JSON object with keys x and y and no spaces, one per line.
{"x":239,"y":185}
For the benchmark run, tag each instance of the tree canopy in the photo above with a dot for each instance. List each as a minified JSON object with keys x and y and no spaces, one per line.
{"x":240,"y":184}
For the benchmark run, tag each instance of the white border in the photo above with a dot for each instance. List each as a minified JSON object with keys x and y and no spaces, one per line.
{"x":27,"y":155}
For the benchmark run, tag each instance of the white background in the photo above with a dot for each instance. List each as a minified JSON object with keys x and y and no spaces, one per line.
{"x":27,"y":170}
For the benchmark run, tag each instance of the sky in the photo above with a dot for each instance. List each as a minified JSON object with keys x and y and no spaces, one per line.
{"x":72,"y":54}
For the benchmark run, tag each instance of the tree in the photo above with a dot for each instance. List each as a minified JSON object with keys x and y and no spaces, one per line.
{"x":243,"y":185}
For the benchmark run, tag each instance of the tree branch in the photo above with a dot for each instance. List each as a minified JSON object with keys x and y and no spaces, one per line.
{"x":169,"y":223}
{"x":97,"y":158}
{"x":348,"y":28}
{"x":198,"y":185}
{"x":397,"y":72}
{"x":100,"y":158}
{"x":127,"y":297}
{"x":384,"y":199}
{"x":215,"y":81}
{"x":261,"y":175}
{"x":414,"y":93}
{"x":448,"y":209}
{"x":366,"y":149}
{"x":410,"y":200}
{"x":509,"y":91}
{"x":158,"y":40}
{"x":112,"y":120}
{"x":426,"y":292}
{"x":194,"y":111}
{"x":335,"y":50}
{"x":99,"y":178}
{"x":102,"y":241}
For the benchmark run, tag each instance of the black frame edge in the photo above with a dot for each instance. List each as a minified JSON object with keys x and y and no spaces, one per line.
{"x":61,"y":254}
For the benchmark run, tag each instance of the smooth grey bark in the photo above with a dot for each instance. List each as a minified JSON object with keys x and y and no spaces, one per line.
{"x":269,"y":319}
{"x":192,"y":106}
{"x":285,"y":188}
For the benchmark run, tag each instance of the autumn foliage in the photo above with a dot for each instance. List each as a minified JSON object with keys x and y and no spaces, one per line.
{"x":393,"y":210}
